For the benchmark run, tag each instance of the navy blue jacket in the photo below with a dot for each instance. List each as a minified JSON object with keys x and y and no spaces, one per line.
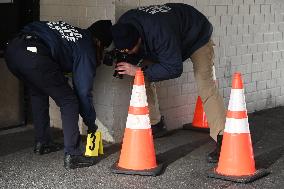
{"x":170,"y":34}
{"x":73,"y":49}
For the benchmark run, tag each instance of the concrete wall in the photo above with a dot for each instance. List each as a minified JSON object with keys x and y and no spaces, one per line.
{"x":107,"y":95}
{"x":249,"y":38}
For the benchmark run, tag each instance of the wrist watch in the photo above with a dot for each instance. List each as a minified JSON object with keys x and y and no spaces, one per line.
{"x":140,"y":62}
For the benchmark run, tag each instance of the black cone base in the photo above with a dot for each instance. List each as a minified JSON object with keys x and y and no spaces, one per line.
{"x":147,"y":172}
{"x":189,"y":126}
{"x":241,"y":179}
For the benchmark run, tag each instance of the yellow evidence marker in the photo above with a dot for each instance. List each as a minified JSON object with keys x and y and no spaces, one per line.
{"x":94,"y":145}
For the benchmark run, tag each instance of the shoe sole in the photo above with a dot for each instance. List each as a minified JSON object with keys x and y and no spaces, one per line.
{"x":209,"y":160}
{"x":47,"y":151}
{"x":80,"y":165}
{"x":212,"y":161}
{"x":77,"y":166}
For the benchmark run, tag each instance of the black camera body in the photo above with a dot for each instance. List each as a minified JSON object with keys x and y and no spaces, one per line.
{"x":115,"y":56}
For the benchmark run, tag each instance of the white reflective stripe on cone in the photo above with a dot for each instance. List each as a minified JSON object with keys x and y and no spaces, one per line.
{"x":138,"y":121}
{"x":233,"y":125}
{"x":237,"y":100}
{"x":138,"y":96}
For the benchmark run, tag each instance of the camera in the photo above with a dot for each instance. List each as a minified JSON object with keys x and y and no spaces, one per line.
{"x":115,"y":56}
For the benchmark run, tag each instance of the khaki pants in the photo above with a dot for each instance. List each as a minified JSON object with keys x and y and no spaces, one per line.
{"x":153,"y":104}
{"x":212,"y":101}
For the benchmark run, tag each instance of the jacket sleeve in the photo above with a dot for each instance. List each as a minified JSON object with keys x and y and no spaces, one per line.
{"x":83,"y":76}
{"x":167,"y":50}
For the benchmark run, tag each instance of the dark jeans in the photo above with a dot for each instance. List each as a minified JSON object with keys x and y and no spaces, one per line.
{"x":45,"y":78}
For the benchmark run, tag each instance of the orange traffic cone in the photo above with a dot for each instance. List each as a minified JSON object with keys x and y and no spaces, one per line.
{"x":199,"y":122}
{"x":138,"y":153}
{"x":236,"y":161}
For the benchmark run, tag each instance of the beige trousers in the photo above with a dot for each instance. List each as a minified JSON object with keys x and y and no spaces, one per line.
{"x":212,"y":101}
{"x":153,"y":104}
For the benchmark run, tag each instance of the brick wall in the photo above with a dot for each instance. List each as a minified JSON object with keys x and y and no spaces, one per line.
{"x":77,"y":12}
{"x":249,"y":38}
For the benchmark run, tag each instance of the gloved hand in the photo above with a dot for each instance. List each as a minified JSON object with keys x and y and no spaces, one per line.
{"x":92,"y":128}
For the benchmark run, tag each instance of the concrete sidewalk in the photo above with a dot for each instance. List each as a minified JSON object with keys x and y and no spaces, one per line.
{"x":183,"y":152}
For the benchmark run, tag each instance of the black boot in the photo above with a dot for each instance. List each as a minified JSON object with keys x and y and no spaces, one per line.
{"x":159,"y":130}
{"x":213,"y":157}
{"x":41,"y":148}
{"x":78,"y":161}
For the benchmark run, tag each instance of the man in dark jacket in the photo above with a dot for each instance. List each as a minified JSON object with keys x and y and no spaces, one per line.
{"x":165,"y":36}
{"x":40,"y":55}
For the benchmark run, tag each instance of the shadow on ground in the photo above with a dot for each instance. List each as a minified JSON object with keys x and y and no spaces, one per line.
{"x":182,"y":153}
{"x":267,"y":132}
{"x":176,"y":153}
{"x":13,"y":142}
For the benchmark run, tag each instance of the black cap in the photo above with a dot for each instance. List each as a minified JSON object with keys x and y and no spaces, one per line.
{"x":125,"y":36}
{"x":101,"y":30}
